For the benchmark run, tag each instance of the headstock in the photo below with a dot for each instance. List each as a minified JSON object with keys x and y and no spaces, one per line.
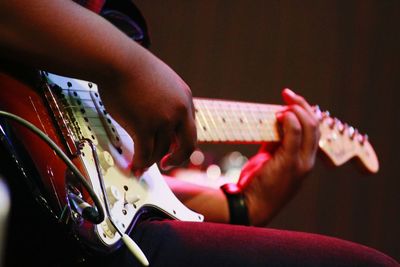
{"x":341,"y":142}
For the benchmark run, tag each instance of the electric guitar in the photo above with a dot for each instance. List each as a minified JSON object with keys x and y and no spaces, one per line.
{"x":71,"y":113}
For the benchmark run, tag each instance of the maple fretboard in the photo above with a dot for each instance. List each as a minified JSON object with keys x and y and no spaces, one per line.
{"x":230,"y":121}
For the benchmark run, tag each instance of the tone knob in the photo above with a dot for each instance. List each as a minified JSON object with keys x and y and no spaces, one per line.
{"x":106,"y":159}
{"x":113,"y":194}
{"x":107,"y":230}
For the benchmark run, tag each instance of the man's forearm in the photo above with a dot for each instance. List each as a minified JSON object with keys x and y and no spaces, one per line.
{"x":64,"y":37}
{"x":208,"y":201}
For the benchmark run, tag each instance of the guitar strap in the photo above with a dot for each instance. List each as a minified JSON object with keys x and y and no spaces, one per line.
{"x":93,"y":5}
{"x":123,"y":14}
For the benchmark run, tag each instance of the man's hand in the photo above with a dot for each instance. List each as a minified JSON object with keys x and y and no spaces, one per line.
{"x":155,"y":106}
{"x":273,"y":176}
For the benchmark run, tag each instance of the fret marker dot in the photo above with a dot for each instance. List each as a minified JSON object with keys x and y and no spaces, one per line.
{"x":204,"y":128}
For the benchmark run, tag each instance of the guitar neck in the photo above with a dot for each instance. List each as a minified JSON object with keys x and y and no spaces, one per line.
{"x":236,"y":122}
{"x":221,"y":121}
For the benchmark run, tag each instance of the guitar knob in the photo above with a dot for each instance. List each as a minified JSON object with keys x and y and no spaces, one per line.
{"x":113,"y":194}
{"x":106,"y":225}
{"x":106,"y":160}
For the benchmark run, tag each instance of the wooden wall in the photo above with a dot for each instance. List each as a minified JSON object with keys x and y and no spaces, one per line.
{"x":343,"y":55}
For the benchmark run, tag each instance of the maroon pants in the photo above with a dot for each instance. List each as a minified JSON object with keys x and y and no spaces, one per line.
{"x":172,"y":243}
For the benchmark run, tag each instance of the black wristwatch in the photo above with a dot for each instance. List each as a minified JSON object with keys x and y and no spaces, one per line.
{"x":237,"y":205}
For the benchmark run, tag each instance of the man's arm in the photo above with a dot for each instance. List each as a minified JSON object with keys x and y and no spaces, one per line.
{"x":149,"y":99}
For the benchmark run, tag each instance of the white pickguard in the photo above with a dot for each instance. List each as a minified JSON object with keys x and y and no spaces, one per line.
{"x":127,"y":194}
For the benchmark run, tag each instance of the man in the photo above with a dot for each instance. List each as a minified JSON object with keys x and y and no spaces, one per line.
{"x":63,"y":37}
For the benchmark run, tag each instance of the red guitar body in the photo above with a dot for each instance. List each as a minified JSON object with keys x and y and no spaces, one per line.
{"x":36,"y":178}
{"x":18,"y":96}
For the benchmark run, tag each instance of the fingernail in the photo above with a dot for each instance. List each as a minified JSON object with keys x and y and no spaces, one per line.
{"x":164,"y":163}
{"x":290,"y":92}
{"x":279,"y":116}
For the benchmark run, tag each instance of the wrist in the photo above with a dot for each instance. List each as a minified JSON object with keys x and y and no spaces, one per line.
{"x":238,"y":212}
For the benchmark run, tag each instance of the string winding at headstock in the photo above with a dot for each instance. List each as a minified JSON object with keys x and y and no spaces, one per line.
{"x":341,"y":142}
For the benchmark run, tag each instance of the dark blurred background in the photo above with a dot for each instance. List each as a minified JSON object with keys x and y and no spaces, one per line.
{"x":342,"y":55}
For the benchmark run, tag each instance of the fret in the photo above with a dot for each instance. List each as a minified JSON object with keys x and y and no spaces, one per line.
{"x":254,"y":124}
{"x":217,"y":129}
{"x":212,"y":127}
{"x":268,"y":122}
{"x":244,"y":119}
{"x":200,"y":132}
{"x":204,"y":128}
{"x":225,"y":127}
{"x":237,"y":133}
{"x":263,"y":122}
{"x":226,"y":121}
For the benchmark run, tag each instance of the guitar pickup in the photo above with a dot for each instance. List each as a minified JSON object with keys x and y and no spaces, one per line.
{"x":106,"y":120}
